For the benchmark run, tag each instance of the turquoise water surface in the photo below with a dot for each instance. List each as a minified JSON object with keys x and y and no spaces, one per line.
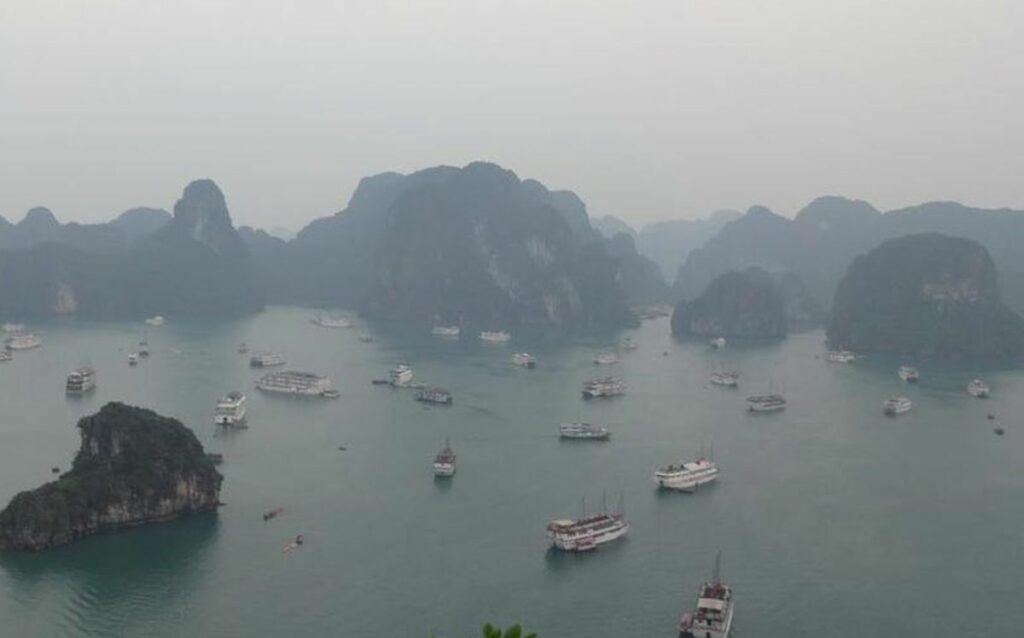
{"x":832,"y":519}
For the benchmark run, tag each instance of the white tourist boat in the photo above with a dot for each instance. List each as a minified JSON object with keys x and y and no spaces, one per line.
{"x":80,"y":381}
{"x":444,"y":462}
{"x":439,"y":396}
{"x":156,"y":321}
{"x":718,"y":343}
{"x":584,"y":431}
{"x":266,"y":360}
{"x":297,"y":383}
{"x":400,"y":376}
{"x":133,"y":358}
{"x":841,"y":356}
{"x":978,"y":388}
{"x":604,"y":387}
{"x":766,"y":403}
{"x":712,"y":617}
{"x":524,"y":360}
{"x":728,"y":379}
{"x":331,"y":321}
{"x":495,"y":337}
{"x":230,"y":410}
{"x":686,"y":476}
{"x":446,"y":331}
{"x":627,"y":344}
{"x":606,"y":359}
{"x":22,"y":341}
{"x":587,"y":533}
{"x":896,"y":406}
{"x":909,"y":374}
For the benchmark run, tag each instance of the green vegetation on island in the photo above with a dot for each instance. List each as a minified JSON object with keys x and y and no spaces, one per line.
{"x":929,"y":295}
{"x":133,"y":467}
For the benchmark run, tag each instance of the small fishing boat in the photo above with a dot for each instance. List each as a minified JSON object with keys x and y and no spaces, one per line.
{"x":979,"y":389}
{"x":444,"y":462}
{"x":841,"y":356}
{"x":524,"y":360}
{"x":897,"y":406}
{"x":274,"y":513}
{"x":438,"y":396}
{"x":331,"y":321}
{"x":728,"y":379}
{"x":495,"y":337}
{"x":909,"y":374}
{"x":766,"y":403}
{"x":583,"y":431}
{"x":446,"y":331}
{"x":401,"y":376}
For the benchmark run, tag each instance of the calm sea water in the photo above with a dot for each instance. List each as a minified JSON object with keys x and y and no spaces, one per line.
{"x":832,"y":519}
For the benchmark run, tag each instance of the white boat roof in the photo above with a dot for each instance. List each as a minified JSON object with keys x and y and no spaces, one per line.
{"x":711,"y":603}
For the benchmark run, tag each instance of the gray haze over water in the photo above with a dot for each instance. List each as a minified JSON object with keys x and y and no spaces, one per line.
{"x":649,"y":110}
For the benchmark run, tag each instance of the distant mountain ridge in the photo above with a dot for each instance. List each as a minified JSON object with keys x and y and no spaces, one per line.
{"x":610,"y":226}
{"x":143,"y":263}
{"x":824,"y":237}
{"x":669,"y":243}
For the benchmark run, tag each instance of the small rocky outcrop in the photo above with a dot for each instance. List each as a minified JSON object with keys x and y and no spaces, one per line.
{"x":928,"y":295}
{"x":745,"y":304}
{"x":133,"y":467}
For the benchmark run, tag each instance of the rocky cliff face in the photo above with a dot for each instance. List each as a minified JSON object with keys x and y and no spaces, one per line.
{"x":482,"y":246}
{"x":925,"y":294}
{"x":133,"y":467}
{"x":640,"y":277}
{"x":745,"y":304}
{"x":473,"y":244}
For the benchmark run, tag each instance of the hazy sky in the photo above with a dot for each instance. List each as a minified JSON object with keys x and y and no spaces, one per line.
{"x":647,"y":109}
